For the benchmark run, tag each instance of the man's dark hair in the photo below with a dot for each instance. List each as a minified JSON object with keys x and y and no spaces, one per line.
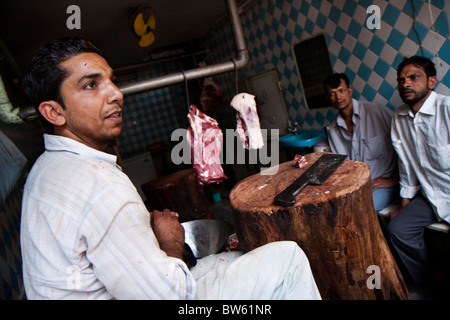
{"x":334,"y":81}
{"x":45,"y":73}
{"x":426,"y":64}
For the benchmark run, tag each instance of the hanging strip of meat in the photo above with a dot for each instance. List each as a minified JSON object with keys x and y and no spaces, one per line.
{"x":247,"y":121}
{"x":205,"y":140}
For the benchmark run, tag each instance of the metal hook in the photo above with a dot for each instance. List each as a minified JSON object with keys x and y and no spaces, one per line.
{"x":187,"y":90}
{"x":235,"y":76}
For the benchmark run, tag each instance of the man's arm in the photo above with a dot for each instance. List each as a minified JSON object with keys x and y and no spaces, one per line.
{"x":403,"y":203}
{"x":409,"y":185}
{"x":386,"y":182}
{"x":135,"y":261}
{"x":169,"y":232}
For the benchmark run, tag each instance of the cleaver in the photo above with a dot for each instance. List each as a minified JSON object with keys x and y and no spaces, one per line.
{"x":317,"y":174}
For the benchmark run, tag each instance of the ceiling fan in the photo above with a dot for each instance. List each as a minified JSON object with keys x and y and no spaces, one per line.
{"x":144,"y":26}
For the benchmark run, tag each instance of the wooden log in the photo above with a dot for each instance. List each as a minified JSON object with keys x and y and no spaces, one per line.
{"x":180,"y":192}
{"x":334,"y":223}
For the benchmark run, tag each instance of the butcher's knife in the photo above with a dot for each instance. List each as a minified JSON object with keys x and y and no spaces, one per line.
{"x":317,"y":174}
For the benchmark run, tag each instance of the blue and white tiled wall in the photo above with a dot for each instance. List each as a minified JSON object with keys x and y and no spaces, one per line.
{"x":368,"y":57}
{"x":271,"y":27}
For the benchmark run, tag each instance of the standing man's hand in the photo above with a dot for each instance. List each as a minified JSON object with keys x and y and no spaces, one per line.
{"x":391,"y":215}
{"x":169,"y":232}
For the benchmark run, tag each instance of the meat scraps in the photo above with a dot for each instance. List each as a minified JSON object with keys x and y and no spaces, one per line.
{"x":205,"y":140}
{"x":247,"y":125}
{"x":232,"y":243}
{"x":299,"y":161}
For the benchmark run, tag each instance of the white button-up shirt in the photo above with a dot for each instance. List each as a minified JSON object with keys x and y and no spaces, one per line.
{"x":370,"y":141}
{"x":422,"y":142}
{"x":85,"y":232}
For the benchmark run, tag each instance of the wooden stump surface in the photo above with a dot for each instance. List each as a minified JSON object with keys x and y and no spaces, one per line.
{"x":335,"y":224}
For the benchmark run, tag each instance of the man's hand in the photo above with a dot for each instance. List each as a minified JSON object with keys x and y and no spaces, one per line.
{"x":381,"y":182}
{"x":385,"y":182}
{"x":391,"y":215}
{"x":169,"y":232}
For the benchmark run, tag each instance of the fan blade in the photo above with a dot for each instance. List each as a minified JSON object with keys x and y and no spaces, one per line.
{"x":151,"y":22}
{"x":147,"y":39}
{"x":139,"y":25}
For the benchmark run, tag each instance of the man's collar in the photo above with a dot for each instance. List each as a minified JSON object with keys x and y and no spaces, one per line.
{"x":355,"y":105}
{"x":60,"y":143}
{"x":426,"y":108}
{"x":428,"y":105}
{"x":355,"y":110}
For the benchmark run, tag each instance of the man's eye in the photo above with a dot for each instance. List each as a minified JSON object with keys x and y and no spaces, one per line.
{"x":90,"y":85}
{"x":413,"y":77}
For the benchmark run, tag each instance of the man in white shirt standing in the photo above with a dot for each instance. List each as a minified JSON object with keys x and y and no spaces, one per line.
{"x":421,"y":137}
{"x":85,"y":231}
{"x":361,"y":130}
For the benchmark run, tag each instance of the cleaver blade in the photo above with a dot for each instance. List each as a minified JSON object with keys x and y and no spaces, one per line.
{"x":317,"y":174}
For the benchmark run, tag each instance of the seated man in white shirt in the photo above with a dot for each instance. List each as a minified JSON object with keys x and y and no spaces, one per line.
{"x":421,"y":137}
{"x":361,"y":130}
{"x":85,"y":231}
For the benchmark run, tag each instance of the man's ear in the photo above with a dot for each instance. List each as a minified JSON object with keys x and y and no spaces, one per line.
{"x":432,"y":82}
{"x":52,"y":112}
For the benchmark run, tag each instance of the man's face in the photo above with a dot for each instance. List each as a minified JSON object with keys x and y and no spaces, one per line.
{"x":414,"y":85}
{"x":93,"y":103}
{"x":340,"y":97}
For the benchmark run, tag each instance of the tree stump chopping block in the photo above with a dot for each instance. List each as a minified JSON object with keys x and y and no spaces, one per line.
{"x":335,"y":224}
{"x":180,"y":192}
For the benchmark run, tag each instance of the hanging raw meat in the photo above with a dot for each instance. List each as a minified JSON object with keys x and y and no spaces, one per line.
{"x":205,"y":140}
{"x":247,"y":120}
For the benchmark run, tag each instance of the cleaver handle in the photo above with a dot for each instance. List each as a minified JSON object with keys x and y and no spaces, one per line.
{"x":317,"y":174}
{"x":287,"y":197}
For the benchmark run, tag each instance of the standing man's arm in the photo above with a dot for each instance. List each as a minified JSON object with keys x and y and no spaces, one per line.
{"x":409,"y":184}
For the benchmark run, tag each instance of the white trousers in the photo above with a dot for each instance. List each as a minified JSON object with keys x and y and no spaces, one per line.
{"x":275,"y":271}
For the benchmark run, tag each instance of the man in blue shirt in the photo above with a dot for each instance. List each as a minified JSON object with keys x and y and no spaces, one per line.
{"x":361,"y":130}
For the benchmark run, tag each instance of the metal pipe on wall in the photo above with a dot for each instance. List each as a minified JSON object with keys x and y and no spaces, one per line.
{"x":235,"y":64}
{"x":242,"y":59}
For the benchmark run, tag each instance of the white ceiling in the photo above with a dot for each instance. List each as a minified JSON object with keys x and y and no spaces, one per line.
{"x":26,"y":25}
